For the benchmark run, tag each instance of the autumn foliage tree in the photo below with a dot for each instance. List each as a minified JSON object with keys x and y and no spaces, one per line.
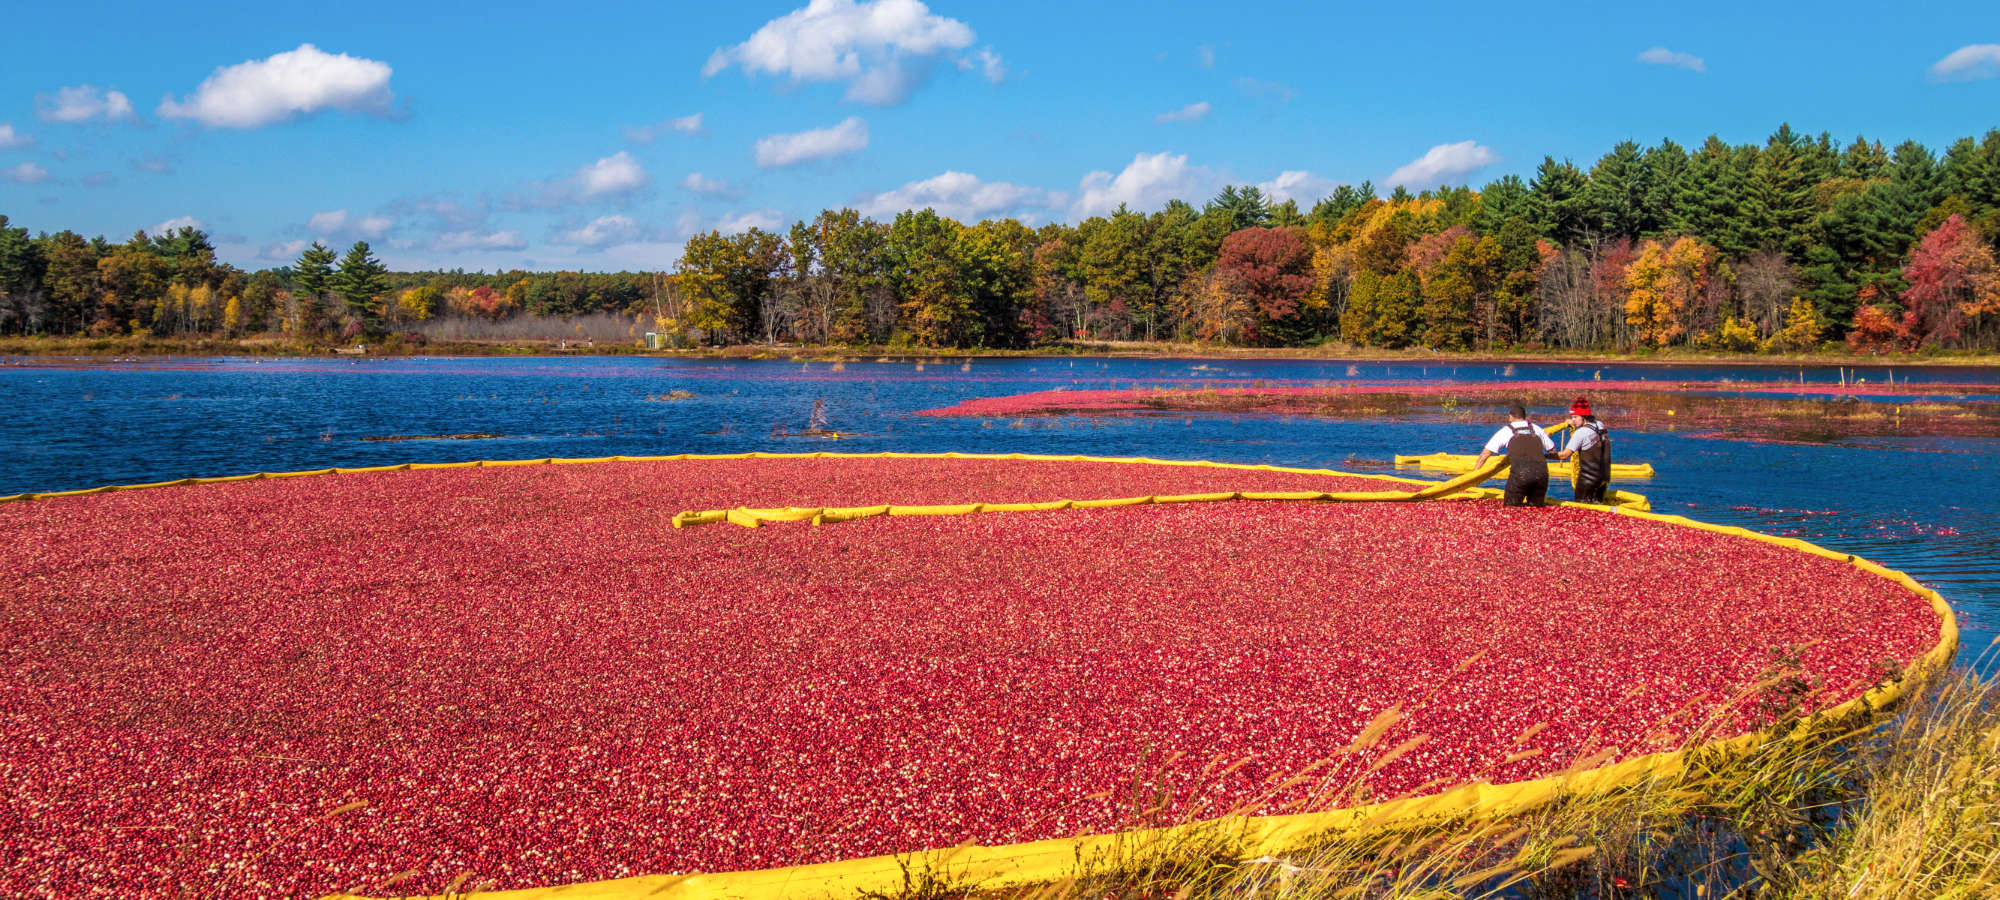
{"x":1952,"y":278}
{"x":1272,"y":267}
{"x":1663,"y":284}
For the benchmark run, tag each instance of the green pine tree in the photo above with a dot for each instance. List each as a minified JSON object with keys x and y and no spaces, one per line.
{"x":360,"y":280}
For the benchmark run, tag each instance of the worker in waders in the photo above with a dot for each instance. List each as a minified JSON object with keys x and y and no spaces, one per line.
{"x":1527,"y":448}
{"x":1590,"y":444}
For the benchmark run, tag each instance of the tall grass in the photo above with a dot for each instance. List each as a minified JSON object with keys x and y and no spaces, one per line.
{"x":1902,"y":805}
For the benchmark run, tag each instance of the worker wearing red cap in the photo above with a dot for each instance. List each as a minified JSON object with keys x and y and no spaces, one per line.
{"x":1590,"y":444}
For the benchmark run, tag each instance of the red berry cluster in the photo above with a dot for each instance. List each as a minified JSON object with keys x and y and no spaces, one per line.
{"x":526,"y":674}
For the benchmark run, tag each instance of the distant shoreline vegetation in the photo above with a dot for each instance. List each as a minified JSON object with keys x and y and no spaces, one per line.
{"x":1795,"y":246}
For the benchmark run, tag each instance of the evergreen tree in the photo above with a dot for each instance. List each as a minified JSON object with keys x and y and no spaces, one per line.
{"x":1501,"y":200}
{"x":1617,"y":195}
{"x":1782,"y":183}
{"x":360,"y":280}
{"x":1246,"y":206}
{"x":312,"y":275}
{"x":1560,"y":207}
{"x":1864,"y":160}
{"x":1345,"y":199}
{"x":1663,"y":180}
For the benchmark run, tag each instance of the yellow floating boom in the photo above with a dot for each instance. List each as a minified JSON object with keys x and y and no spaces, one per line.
{"x":1460,"y":463}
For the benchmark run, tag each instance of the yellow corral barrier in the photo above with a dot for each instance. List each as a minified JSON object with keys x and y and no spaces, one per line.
{"x":1462,"y":462}
{"x":1042,"y":862}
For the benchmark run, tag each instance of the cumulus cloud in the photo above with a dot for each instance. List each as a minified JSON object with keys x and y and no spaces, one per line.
{"x":1971,"y":62}
{"x":285,"y":86}
{"x":25,"y":173}
{"x":13,"y":140}
{"x":957,"y":195}
{"x":337,"y":223}
{"x":646,"y":134}
{"x":175,"y":224}
{"x":615,"y":177}
{"x":778,"y":150}
{"x":883,"y":49}
{"x":695,"y":182}
{"x":283,"y":250}
{"x":1190,"y":113}
{"x":603,"y":231}
{"x":1148,"y":182}
{"x":477,"y":240}
{"x":1442,"y":164}
{"x":734,"y":223}
{"x":615,"y":174}
{"x":1661,"y":56}
{"x":1301,"y":187}
{"x":83,"y":103}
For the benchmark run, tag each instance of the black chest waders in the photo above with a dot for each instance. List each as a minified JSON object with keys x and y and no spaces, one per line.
{"x":1527,"y":470}
{"x":1593,"y":467}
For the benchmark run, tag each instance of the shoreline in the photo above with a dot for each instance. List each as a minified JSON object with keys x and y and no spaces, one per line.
{"x":157,"y":348}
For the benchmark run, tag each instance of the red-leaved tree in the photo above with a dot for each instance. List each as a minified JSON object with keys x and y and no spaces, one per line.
{"x":1952,"y":278}
{"x":1273,"y":268}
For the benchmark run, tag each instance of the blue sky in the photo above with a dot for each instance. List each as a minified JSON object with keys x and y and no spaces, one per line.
{"x":598,"y":136}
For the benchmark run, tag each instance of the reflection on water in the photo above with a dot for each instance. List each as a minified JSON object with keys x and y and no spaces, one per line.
{"x":1925,"y":505}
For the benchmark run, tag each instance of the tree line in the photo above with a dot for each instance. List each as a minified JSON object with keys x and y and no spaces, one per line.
{"x":1789,"y":245}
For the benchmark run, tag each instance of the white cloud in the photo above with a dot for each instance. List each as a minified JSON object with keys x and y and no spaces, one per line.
{"x":478,"y":240}
{"x":616,"y":174}
{"x":154,"y":163}
{"x":83,"y":103}
{"x":99,"y":179}
{"x":285,"y":86}
{"x":603,"y":231}
{"x":175,"y":224}
{"x":1661,"y":56}
{"x":25,"y":173}
{"x":615,"y":177}
{"x":646,"y":134}
{"x":337,"y":222}
{"x":1971,"y":62}
{"x":990,"y":65}
{"x":698,"y":183}
{"x":1192,"y":112}
{"x":283,"y":250}
{"x":1442,"y":164}
{"x":1301,"y":187}
{"x":1148,"y":182}
{"x":850,"y":136}
{"x":883,"y":49}
{"x":766,"y":219}
{"x":957,"y":195}
{"x":13,"y":140}
{"x":1205,"y":55}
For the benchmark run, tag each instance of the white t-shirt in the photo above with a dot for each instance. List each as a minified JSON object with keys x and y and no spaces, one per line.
{"x":1497,"y":444}
{"x":1582,"y":438}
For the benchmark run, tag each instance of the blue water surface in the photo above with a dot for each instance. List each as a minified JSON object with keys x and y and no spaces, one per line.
{"x":1925,"y":505}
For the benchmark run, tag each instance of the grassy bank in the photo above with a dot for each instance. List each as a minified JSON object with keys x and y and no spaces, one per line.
{"x":416,"y":345}
{"x":1903,"y":808}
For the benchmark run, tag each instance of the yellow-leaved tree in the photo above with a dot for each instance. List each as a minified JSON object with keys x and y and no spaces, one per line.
{"x":1803,"y":329}
{"x":1662,"y":285}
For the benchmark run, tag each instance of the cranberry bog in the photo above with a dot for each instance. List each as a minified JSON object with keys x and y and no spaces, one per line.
{"x":1818,"y":413}
{"x":518,"y":676}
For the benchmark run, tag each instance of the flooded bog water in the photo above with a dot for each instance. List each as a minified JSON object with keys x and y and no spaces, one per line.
{"x":1915,"y":498}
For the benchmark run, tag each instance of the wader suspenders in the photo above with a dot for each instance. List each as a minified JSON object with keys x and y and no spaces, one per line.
{"x":1524,"y":456}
